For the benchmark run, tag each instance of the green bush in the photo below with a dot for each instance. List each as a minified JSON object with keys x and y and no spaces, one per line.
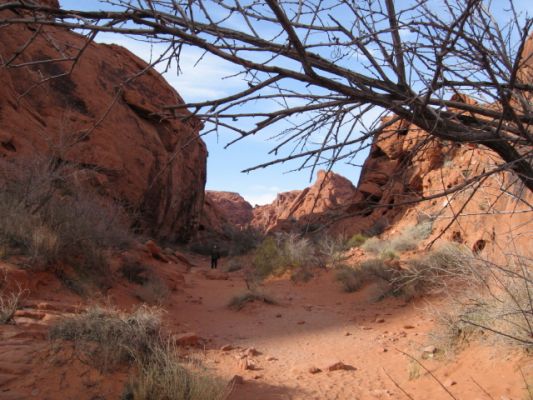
{"x":284,"y":252}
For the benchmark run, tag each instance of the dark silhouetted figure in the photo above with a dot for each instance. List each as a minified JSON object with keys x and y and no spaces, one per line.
{"x":215,"y":255}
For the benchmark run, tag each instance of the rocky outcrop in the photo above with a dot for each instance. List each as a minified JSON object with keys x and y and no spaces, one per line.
{"x":327,"y":196}
{"x":232,"y":206}
{"x":102,"y":116}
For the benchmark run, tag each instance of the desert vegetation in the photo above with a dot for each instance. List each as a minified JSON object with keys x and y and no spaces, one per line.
{"x":108,"y":339}
{"x":53,"y":223}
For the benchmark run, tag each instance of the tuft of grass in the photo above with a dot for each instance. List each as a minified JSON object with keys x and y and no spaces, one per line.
{"x":153,"y":291}
{"x":164,"y":376}
{"x":408,"y":239}
{"x":238,"y":302}
{"x":356,"y":240}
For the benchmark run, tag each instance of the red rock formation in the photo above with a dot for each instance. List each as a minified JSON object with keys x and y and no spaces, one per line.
{"x":105,"y":122}
{"x":329,"y":194}
{"x":235,"y":209}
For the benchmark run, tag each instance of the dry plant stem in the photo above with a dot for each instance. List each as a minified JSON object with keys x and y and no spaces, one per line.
{"x":398,"y":385}
{"x":429,"y":372}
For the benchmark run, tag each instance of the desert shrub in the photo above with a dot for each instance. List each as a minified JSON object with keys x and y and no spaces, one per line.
{"x":437,"y":269}
{"x":356,"y":240}
{"x":302,"y":274}
{"x":238,"y":302}
{"x":503,"y":311}
{"x":410,"y":237}
{"x":407,"y":239}
{"x":330,"y":250}
{"x":134,"y":271}
{"x":284,"y":252}
{"x":351,"y":279}
{"x":164,"y":376}
{"x":153,"y":291}
{"x":9,"y":300}
{"x":52,"y":221}
{"x":107,"y":337}
{"x":375,"y":245}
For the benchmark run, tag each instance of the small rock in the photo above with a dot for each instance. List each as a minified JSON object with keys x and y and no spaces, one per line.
{"x":252,"y":352}
{"x":188,"y":339}
{"x":301,"y":322}
{"x":408,"y":327}
{"x":380,"y":320}
{"x":384,"y":349}
{"x":347,"y":334}
{"x":340,"y":366}
{"x":429,"y":349}
{"x":155,"y":251}
{"x":314,"y":370}
{"x":278,"y":315}
{"x":258,"y":376}
{"x":236,"y":380}
{"x":227,"y":347}
{"x":271,"y":358}
{"x":450,"y":382}
{"x":246,"y":364}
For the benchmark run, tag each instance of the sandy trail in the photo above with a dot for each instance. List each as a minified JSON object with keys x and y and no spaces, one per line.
{"x":317,"y":325}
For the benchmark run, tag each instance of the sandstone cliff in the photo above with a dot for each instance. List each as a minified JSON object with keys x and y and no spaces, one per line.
{"x":101,"y":115}
{"x":313,"y":205}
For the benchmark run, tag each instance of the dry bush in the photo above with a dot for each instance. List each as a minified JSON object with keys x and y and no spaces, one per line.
{"x":238,"y":302}
{"x":9,"y":301}
{"x":351,"y":279}
{"x":302,"y":274}
{"x":46,"y":217}
{"x":153,"y":291}
{"x":408,"y":239}
{"x":107,"y":337}
{"x":500,"y":307}
{"x":330,"y":251}
{"x":163,"y":376}
{"x":438,"y":270}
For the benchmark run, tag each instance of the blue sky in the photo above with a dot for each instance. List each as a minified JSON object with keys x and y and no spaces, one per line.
{"x":209,"y":80}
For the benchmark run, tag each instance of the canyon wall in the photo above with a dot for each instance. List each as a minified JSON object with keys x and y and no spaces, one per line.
{"x":101,"y":115}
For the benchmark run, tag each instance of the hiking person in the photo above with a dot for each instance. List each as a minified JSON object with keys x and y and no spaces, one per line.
{"x":215,"y":255}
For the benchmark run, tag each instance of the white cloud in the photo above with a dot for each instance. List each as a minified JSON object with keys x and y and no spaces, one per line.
{"x":197,"y":80}
{"x":259,"y":198}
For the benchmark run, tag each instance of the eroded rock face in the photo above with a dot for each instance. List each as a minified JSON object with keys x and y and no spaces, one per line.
{"x":235,"y":209}
{"x":106,"y":123}
{"x":328,"y":195}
